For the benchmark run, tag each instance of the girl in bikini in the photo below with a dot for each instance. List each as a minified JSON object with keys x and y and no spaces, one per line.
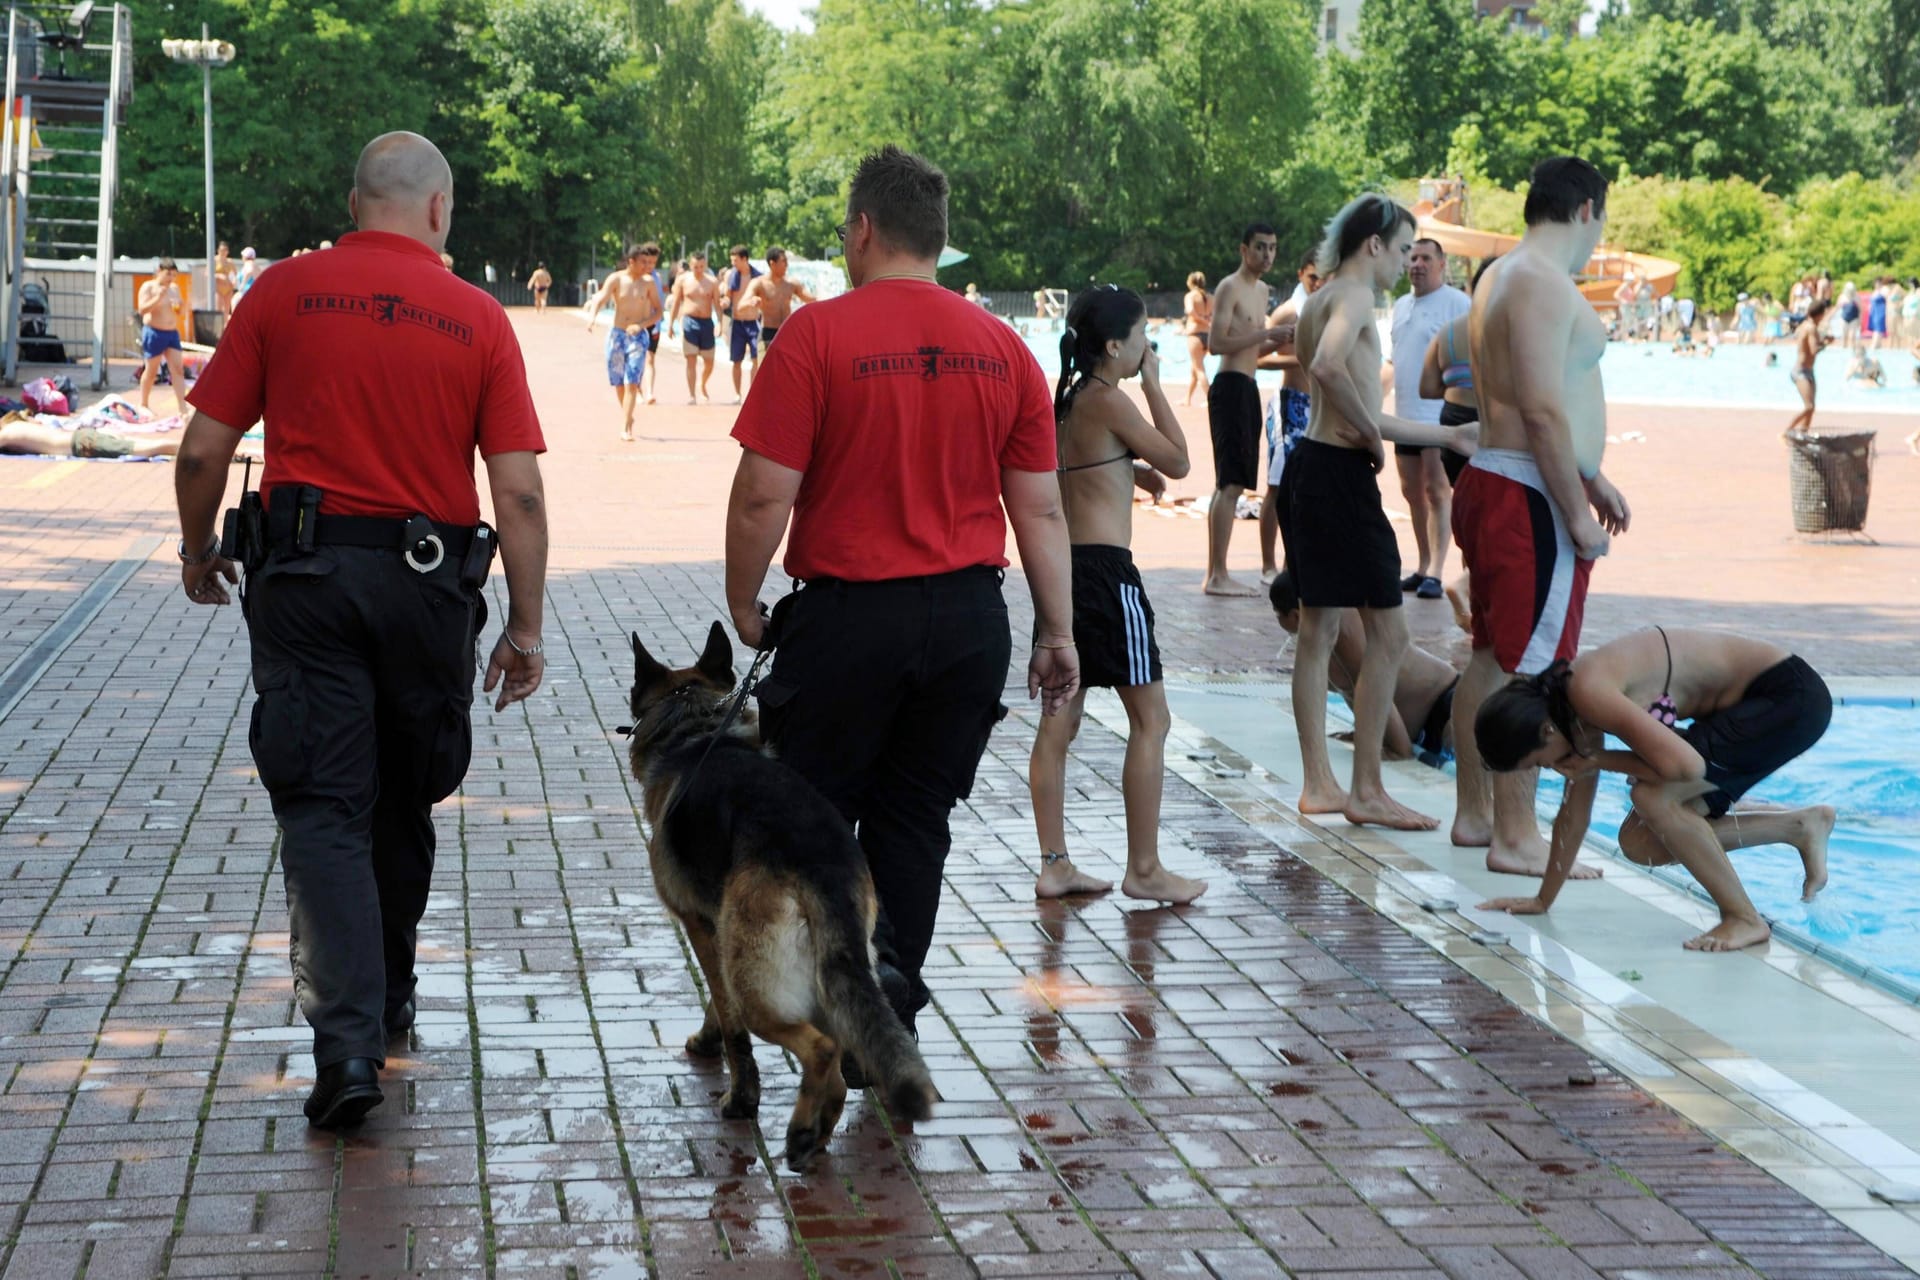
{"x":1101,"y":433}
{"x":1199,"y":307}
{"x":1754,"y":708}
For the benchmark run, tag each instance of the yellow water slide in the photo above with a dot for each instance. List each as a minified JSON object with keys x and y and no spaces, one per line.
{"x":1441,"y":211}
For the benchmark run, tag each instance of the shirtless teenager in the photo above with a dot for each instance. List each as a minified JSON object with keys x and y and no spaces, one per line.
{"x":1101,"y":433}
{"x":696,"y":292}
{"x":1532,"y":512}
{"x":636,"y":307}
{"x":1287,"y":412}
{"x":1421,"y":719}
{"x":1239,"y":336}
{"x":772,"y":295}
{"x":1340,"y":548}
{"x":1754,"y":708}
{"x":160,"y":306}
{"x":1198,"y":306}
{"x":1808,"y":343}
{"x":743,"y":328}
{"x":539,"y":283}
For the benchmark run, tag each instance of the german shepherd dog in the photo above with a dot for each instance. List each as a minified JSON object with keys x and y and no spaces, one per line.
{"x":773,"y":891}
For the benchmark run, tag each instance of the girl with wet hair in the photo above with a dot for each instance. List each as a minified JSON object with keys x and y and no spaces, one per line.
{"x":1754,"y":707}
{"x":1101,"y":433}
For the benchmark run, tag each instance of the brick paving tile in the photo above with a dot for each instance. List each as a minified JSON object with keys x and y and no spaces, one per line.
{"x":1273,"y":1081}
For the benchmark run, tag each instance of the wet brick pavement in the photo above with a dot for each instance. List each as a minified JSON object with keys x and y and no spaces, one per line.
{"x":1275,"y":1081}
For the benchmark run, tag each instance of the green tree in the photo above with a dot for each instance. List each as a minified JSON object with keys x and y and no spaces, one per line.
{"x":1423,"y":67}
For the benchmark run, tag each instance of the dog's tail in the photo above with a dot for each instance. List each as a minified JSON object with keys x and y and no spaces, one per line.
{"x":857,"y":1015}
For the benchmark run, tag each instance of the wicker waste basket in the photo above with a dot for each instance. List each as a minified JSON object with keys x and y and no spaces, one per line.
{"x":1829,"y":476}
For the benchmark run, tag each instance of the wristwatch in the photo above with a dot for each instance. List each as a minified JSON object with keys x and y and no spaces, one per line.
{"x":213,"y":549}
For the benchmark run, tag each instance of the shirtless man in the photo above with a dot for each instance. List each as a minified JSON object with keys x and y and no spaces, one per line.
{"x":160,"y":306}
{"x":772,"y":296}
{"x":223,"y":279}
{"x":1341,"y":550}
{"x":1535,"y":488}
{"x":1287,"y":413}
{"x":743,"y":333}
{"x":697,"y":293}
{"x":539,"y":282}
{"x":1808,"y":343}
{"x":636,"y":308}
{"x":1239,"y":336}
{"x":1421,"y":719}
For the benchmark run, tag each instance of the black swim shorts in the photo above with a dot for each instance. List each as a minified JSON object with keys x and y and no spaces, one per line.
{"x":1784,"y":711}
{"x":1233,"y":419}
{"x":1340,"y":546}
{"x":1112,"y":620}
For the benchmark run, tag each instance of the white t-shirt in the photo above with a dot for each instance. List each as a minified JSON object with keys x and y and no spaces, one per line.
{"x":1416,"y":322}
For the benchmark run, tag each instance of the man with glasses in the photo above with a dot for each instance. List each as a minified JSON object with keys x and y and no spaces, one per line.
{"x":901,"y":430}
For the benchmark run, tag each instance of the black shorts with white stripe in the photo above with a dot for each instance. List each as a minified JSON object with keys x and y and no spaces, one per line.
{"x":1112,"y":620}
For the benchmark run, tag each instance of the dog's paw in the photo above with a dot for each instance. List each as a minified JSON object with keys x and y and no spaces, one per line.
{"x":740,"y":1104}
{"x":706,"y":1042}
{"x":803,"y":1144}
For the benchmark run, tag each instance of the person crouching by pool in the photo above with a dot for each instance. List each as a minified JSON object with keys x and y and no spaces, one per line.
{"x":1754,"y":708}
{"x":1101,"y":433}
{"x":1421,"y":721}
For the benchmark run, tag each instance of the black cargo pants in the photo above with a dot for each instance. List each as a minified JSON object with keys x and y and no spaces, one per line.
{"x":883,"y":695}
{"x":364,"y":671}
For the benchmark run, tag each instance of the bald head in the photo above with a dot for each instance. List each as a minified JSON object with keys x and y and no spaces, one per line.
{"x":403,"y":185}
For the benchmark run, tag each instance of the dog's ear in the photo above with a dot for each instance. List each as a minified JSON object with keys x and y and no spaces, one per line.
{"x":645,"y":670}
{"x":716,"y":660}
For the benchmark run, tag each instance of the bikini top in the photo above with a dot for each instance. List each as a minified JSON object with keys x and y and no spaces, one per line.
{"x":1128,"y":456}
{"x":1456,"y":372}
{"x":1664,"y":708}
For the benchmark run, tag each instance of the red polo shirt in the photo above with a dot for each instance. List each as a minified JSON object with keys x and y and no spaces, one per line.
{"x":901,"y":402}
{"x":378,"y":373}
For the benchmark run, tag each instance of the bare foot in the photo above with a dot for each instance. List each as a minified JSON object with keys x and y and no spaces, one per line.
{"x":1470,"y":832}
{"x":1462,"y":611}
{"x":1229,"y":586}
{"x":1384,"y":811}
{"x":1812,"y":844}
{"x":1269,"y":573}
{"x":1063,"y":879}
{"x":1730,"y":935}
{"x":1530,"y":859}
{"x":1161,"y":885}
{"x":651,"y":400}
{"x":626,"y":437}
{"x":1327,"y":799}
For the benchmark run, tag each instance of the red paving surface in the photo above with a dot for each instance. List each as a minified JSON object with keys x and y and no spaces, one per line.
{"x":1275,"y":1081}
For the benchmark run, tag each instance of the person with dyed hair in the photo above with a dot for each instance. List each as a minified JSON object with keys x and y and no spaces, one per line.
{"x":1103,"y":439}
{"x":1754,"y":708}
{"x":1339,"y":545}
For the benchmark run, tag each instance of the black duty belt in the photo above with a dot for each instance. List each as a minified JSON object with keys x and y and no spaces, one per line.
{"x":425,"y":543}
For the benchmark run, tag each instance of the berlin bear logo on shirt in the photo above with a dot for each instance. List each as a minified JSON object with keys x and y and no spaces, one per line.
{"x":385,"y":310}
{"x":930,"y":364}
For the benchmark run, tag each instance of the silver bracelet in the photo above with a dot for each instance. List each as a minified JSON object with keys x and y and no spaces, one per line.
{"x":539,"y":647}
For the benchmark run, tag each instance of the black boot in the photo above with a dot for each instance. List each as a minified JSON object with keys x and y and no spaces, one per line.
{"x":400,"y":1021}
{"x":345,"y":1092}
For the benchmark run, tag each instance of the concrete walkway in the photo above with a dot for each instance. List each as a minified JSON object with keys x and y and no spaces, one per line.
{"x":1275,"y":1081}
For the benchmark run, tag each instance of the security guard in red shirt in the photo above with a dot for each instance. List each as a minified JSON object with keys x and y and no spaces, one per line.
{"x":902,"y":429}
{"x":378,"y":374}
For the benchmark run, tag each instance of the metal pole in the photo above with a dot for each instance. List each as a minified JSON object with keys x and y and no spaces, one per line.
{"x":206,"y":69}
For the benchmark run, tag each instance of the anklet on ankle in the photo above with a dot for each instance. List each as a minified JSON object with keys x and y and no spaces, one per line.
{"x":1048,"y":859}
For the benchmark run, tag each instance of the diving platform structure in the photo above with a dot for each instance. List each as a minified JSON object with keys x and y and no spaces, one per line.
{"x":69,"y":73}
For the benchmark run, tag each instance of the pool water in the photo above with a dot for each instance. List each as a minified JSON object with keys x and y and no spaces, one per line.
{"x":1736,"y":378}
{"x":1870,"y":910}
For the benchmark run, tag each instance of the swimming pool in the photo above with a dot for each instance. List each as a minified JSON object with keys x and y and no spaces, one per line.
{"x":1869,"y":913}
{"x":1736,"y":378}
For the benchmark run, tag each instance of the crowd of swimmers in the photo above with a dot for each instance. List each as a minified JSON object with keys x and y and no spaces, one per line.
{"x":1498,"y":426}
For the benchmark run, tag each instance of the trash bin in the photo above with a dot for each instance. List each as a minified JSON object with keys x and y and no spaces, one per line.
{"x":208,"y":326}
{"x":1828,"y":476}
